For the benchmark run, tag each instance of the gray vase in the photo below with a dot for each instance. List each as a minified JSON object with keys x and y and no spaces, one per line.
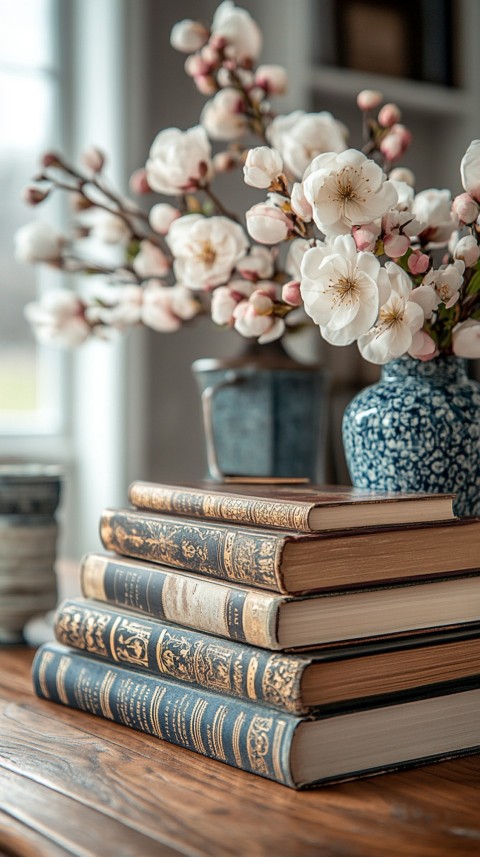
{"x":29,"y":496}
{"x":264,"y":415}
{"x":418,"y":429}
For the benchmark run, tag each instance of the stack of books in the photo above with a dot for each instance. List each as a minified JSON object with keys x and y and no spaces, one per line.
{"x":304,"y":634}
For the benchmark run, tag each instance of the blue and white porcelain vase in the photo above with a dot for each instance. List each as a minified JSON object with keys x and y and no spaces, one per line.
{"x":418,"y":429}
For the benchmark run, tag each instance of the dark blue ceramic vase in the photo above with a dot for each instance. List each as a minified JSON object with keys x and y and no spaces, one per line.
{"x":264,"y":415}
{"x":418,"y":429}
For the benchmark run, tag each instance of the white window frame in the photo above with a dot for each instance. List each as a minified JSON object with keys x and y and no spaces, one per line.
{"x":99,"y":438}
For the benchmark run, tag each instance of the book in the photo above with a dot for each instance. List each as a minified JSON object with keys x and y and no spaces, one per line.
{"x":295,"y":751}
{"x":298,"y":507}
{"x":290,"y":682}
{"x":272,"y":621}
{"x":289,"y":562}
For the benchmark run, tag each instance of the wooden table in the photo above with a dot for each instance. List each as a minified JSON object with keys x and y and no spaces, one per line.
{"x":71,"y":783}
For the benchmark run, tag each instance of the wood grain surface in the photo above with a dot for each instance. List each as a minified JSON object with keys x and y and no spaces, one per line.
{"x":71,"y":783}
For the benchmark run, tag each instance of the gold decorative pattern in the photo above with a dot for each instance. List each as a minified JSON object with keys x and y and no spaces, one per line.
{"x":129,"y":641}
{"x":280,"y":682}
{"x":157,"y":697}
{"x":242,"y":510}
{"x":83,"y":630}
{"x":236,"y":734}
{"x":232,"y":554}
{"x":63,"y":665}
{"x":258,"y":743}
{"x":105,"y":688}
{"x":217,"y":732}
{"x":251,"y":673}
{"x":196,"y":725}
{"x":46,"y":659}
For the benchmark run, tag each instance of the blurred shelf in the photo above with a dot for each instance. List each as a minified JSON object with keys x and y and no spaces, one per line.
{"x":411,"y":94}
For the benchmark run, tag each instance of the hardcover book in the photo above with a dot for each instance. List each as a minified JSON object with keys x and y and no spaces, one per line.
{"x":294,"y":562}
{"x":277,"y":622}
{"x":290,"y":507}
{"x":292,"y":750}
{"x":290,"y":682}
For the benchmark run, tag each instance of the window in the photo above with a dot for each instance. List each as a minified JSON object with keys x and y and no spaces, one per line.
{"x":30,"y":376}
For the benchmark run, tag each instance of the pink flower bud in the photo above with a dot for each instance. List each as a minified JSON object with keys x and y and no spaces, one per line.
{"x":291,"y":293}
{"x":93,"y":159}
{"x":224,"y":162}
{"x":396,"y":142}
{"x":272,"y":79}
{"x":210,"y":56}
{"x":418,"y":263}
{"x":369,"y":99}
{"x":51,"y":159}
{"x":195,"y":65}
{"x":389,"y":115}
{"x":205,"y":84}
{"x":138,"y":182}
{"x":218,"y":43}
{"x":267,"y":224}
{"x":365,"y":237}
{"x":34,"y":195}
{"x":465,"y":207}
{"x":395,"y":245}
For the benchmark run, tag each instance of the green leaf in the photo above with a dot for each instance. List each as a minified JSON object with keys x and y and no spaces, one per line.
{"x":473,"y":287}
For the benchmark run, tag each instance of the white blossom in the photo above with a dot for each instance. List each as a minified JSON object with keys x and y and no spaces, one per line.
{"x":205,"y":249}
{"x":58,"y":318}
{"x":188,"y":36}
{"x":162,"y":216}
{"x":432,"y":208}
{"x":108,"y":228}
{"x":258,"y":264}
{"x":38,"y":242}
{"x":240,"y":31}
{"x":179,"y":160}
{"x":426,"y":297}
{"x":223,"y":116}
{"x":262,"y":166}
{"x":339,"y":288}
{"x":467,"y":250}
{"x":272,"y":78}
{"x":118,"y":306}
{"x":226,"y":298}
{"x":165,"y":307}
{"x":447,"y":282}
{"x":300,"y":137}
{"x":466,"y":339}
{"x":347,"y":190}
{"x":300,"y":206}
{"x":391,"y":337}
{"x":296,"y":252}
{"x":150,"y":261}
{"x":470,"y":170}
{"x":255,"y":318}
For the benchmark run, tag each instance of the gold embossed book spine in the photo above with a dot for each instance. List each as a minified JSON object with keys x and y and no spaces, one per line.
{"x":183,"y":655}
{"x":234,"y":612}
{"x":221,"y":507}
{"x":242,"y":734}
{"x":227,"y":552}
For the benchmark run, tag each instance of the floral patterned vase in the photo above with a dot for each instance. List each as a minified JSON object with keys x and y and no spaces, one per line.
{"x":418,"y":429}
